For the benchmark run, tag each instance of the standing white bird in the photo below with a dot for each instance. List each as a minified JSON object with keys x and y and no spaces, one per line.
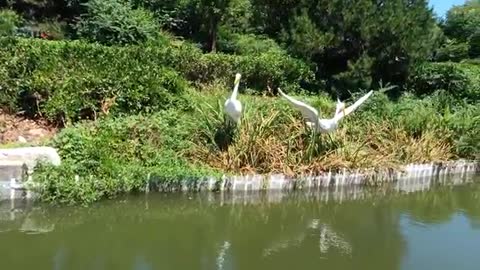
{"x":233,"y":107}
{"x":324,"y":125}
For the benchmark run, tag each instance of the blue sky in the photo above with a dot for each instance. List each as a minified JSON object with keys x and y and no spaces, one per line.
{"x":441,"y":6}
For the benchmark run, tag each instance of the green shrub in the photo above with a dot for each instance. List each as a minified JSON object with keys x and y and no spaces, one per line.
{"x":119,"y":155}
{"x":429,"y":77}
{"x":65,"y":80}
{"x":245,"y":44}
{"x":472,"y":70}
{"x":70,"y":80}
{"x":115,"y":22}
{"x":272,"y":69}
{"x":9,"y":21}
{"x":452,"y":51}
{"x":474,"y":42}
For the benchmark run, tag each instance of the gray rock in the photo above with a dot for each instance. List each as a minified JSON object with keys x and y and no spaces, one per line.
{"x":30,"y":155}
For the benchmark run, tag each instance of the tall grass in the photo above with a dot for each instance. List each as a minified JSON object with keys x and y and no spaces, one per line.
{"x":273,"y":138}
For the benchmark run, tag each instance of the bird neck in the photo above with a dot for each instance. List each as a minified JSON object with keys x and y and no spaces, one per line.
{"x":235,"y":91}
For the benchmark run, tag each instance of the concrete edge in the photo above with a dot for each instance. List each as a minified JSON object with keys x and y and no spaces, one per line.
{"x":255,"y":182}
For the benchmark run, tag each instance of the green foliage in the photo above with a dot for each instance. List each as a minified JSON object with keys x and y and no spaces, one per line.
{"x":474,"y":42}
{"x":119,"y":155}
{"x":72,"y":80}
{"x":245,"y":44}
{"x":176,"y":16}
{"x":263,"y":61}
{"x":465,"y":123}
{"x":452,"y":51}
{"x":115,"y":22}
{"x":463,"y":21}
{"x":9,"y":21}
{"x":238,"y":16}
{"x":271,"y":69}
{"x":357,"y":76}
{"x":429,"y":77}
{"x":383,"y":39}
{"x":441,"y":112}
{"x":195,"y":19}
{"x":460,"y":80}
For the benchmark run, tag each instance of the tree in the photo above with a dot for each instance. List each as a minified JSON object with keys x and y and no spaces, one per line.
{"x":46,"y":9}
{"x":370,"y":41}
{"x":213,"y":11}
{"x":463,"y":21}
{"x":193,"y":19}
{"x":9,"y":21}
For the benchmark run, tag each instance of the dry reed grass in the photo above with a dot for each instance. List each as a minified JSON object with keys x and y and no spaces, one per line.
{"x":272,"y":138}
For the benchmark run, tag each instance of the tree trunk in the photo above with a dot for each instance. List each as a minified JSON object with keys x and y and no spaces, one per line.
{"x":213,"y":34}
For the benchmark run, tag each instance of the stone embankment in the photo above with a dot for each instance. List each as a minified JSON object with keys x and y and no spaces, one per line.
{"x":16,"y":166}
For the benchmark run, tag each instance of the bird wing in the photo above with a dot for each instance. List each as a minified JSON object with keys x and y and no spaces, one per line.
{"x":354,"y":106}
{"x":308,"y":112}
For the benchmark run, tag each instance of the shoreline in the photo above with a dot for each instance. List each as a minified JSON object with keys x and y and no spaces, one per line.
{"x":361,"y":177}
{"x":434,"y":171}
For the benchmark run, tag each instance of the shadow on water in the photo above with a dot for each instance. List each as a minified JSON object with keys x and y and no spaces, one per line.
{"x":335,"y":228}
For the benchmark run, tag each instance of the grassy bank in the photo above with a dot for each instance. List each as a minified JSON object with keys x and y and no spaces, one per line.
{"x":135,"y":114}
{"x":117,"y":155}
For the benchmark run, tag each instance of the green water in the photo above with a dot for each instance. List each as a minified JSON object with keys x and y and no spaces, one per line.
{"x":348,"y":229}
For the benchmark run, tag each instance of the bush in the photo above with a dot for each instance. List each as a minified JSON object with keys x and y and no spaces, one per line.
{"x":429,"y":77}
{"x":452,"y":51}
{"x":115,"y":22}
{"x":263,"y":61}
{"x":258,"y":71}
{"x":472,"y":70}
{"x":474,"y":42}
{"x":71,"y":80}
{"x":65,"y":80}
{"x":119,"y":155}
{"x":245,"y":44}
{"x":9,"y":21}
{"x":465,"y":123}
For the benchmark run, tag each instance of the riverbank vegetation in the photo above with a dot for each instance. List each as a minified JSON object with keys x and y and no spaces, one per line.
{"x":138,"y":93}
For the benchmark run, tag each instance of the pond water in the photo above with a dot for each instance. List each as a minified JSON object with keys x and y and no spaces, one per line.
{"x":435,"y":228}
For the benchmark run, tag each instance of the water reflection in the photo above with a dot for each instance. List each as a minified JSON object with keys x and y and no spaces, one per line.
{"x":339,"y":228}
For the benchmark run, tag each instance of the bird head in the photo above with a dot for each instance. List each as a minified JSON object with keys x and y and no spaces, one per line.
{"x":238,"y":76}
{"x":340,"y":107}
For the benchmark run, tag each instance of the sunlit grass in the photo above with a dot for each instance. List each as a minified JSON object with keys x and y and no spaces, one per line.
{"x":272,"y":136}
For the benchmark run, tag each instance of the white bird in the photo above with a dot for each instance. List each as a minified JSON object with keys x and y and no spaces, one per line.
{"x":233,"y":107}
{"x":324,"y":125}
{"x":15,"y":185}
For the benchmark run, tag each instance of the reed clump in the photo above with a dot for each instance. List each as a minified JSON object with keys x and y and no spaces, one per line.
{"x":272,"y":137}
